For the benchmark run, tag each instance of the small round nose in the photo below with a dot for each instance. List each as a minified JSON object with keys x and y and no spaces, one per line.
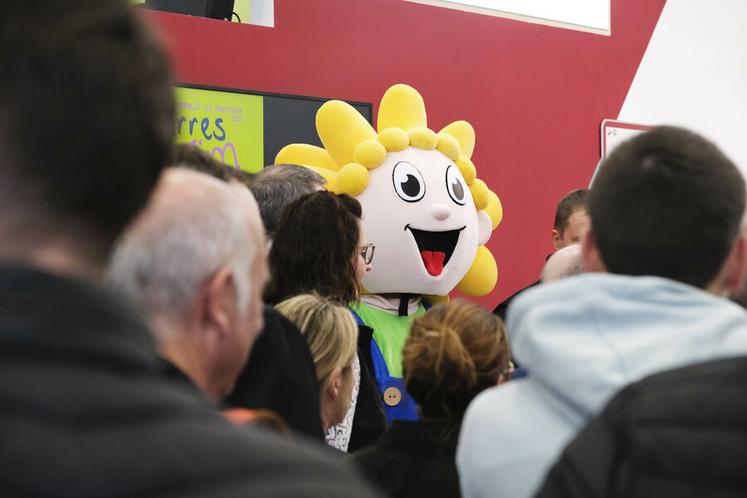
{"x":440,"y":211}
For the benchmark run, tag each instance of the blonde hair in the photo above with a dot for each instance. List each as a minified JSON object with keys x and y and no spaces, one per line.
{"x":329,"y":328}
{"x":453,"y":352}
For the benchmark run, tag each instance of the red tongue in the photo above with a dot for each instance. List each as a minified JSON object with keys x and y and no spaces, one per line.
{"x":434,"y":261}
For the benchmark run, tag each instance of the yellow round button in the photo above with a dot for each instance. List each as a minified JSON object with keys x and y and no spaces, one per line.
{"x":392,"y":396}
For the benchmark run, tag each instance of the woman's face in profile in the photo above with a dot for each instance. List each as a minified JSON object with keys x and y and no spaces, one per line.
{"x":346,"y":392}
{"x":360,"y":263}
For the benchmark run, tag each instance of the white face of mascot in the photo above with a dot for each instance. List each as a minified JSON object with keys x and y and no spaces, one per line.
{"x":419,"y":212}
{"x":423,"y":206}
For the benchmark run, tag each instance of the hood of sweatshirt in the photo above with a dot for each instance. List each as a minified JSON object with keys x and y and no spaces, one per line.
{"x":585,"y":337}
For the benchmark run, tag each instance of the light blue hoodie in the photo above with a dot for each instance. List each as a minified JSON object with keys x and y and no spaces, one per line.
{"x":582,"y":339}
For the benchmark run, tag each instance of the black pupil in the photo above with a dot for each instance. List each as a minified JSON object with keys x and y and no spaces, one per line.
{"x":458,"y":189}
{"x":411,"y":187}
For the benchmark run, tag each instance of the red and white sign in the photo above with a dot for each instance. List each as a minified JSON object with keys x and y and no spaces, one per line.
{"x":614,"y":132}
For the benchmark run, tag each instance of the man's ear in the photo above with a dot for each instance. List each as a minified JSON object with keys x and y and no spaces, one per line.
{"x":735,"y":267}
{"x":590,"y":257}
{"x":218,"y":306}
{"x":556,"y":239}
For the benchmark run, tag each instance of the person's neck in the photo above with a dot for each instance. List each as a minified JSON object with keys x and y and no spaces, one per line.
{"x":717,"y":289}
{"x":325,"y":417}
{"x":174,"y":347}
{"x":391,"y":302}
{"x":325,"y":406}
{"x":719,"y":285}
{"x":65,"y":262}
{"x":57,"y":259}
{"x":57,"y":245}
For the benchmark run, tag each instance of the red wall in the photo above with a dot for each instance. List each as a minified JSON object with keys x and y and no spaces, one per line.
{"x":535,"y":94}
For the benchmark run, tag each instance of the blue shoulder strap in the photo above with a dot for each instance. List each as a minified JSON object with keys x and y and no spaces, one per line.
{"x":357,"y":317}
{"x":405,"y":409}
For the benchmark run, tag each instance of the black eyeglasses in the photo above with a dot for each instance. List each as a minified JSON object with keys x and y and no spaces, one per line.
{"x":367,"y":252}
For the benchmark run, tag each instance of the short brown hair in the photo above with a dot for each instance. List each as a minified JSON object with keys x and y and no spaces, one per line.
{"x":86,"y":119}
{"x":187,"y":155}
{"x":190,"y":156}
{"x":569,"y":204}
{"x":667,"y":203}
{"x":453,"y":352}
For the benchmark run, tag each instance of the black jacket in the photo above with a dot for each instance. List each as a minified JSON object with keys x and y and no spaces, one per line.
{"x":86,"y":412}
{"x":280,"y":376}
{"x":369,"y":422}
{"x":682,"y":433}
{"x":413,"y":460}
{"x":502,"y":307}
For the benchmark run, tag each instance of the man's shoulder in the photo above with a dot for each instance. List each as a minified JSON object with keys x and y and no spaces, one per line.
{"x":229,"y":461}
{"x":502,"y":412}
{"x":519,"y":394}
{"x":514,"y":416}
{"x":681,"y":395}
{"x":161,"y":448}
{"x":510,"y":436}
{"x":298,"y":468}
{"x":105,"y":430}
{"x":660,"y":417}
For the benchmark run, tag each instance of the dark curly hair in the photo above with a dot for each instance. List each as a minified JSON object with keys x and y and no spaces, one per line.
{"x":313,"y":249}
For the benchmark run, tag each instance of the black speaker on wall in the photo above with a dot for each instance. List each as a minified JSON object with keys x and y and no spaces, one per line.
{"x":214,"y":9}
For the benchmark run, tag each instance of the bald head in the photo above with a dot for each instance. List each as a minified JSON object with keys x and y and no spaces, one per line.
{"x":194,"y":262}
{"x":563,"y":263}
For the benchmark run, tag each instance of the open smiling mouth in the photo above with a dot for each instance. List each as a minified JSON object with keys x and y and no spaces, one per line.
{"x":435,"y":248}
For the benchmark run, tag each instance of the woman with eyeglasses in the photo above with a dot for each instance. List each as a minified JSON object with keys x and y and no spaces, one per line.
{"x":454,"y":352}
{"x":320,"y":247}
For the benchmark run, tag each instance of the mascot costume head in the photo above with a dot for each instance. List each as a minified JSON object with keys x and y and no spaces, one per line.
{"x":423,"y":206}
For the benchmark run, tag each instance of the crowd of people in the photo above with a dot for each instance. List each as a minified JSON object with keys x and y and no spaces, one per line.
{"x":172,"y":326}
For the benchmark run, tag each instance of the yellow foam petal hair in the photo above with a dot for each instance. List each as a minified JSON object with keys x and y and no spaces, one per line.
{"x":306,"y":155}
{"x":423,"y":138}
{"x":464,"y":134}
{"x":448,"y":146}
{"x":401,"y":107}
{"x":467,"y":168}
{"x":351,"y":179}
{"x":370,"y":153}
{"x":494,"y":209}
{"x":479,"y":194}
{"x":481,"y":276}
{"x":341,"y":128}
{"x":394,"y":139}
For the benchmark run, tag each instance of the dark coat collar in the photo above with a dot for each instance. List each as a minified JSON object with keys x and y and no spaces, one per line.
{"x":419,"y":436}
{"x":45,"y":313}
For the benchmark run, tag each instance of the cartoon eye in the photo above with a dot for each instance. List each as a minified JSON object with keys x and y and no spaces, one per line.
{"x":455,"y":186}
{"x":408,"y":182}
